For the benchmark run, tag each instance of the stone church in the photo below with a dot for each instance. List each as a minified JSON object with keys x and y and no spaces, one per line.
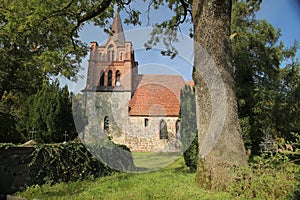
{"x":138,"y":110}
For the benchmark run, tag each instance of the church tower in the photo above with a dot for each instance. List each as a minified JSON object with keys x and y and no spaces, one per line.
{"x":111,"y":81}
{"x":112,"y":67}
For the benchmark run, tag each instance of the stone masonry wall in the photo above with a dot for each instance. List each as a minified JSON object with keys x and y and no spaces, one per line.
{"x":141,"y":138}
{"x":114,"y":105}
{"x":14,"y":169}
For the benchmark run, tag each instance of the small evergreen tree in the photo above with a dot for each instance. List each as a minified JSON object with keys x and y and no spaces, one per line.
{"x":49,"y":114}
{"x":188,"y":130}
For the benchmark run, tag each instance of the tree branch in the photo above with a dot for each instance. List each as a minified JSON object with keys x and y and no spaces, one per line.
{"x":90,"y":15}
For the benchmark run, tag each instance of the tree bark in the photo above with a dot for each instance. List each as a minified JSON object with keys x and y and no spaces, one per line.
{"x":221,"y":146}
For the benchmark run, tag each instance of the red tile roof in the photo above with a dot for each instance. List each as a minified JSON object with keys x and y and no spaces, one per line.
{"x":157,"y":95}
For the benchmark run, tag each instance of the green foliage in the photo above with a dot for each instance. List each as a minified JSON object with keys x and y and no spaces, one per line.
{"x":246,"y":128}
{"x":72,"y":162}
{"x":165,"y":32}
{"x":287,"y":110}
{"x":188,"y":129}
{"x":63,"y":163}
{"x":269,"y":176}
{"x":49,"y":114}
{"x":39,"y":39}
{"x":191,"y":155}
{"x":268,"y":95}
{"x":8,"y":112}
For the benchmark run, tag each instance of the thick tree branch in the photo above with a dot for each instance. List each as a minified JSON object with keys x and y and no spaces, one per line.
{"x":186,"y":11}
{"x":90,"y":15}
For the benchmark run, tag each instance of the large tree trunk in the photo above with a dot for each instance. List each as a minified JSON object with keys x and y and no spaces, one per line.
{"x":221,"y":147}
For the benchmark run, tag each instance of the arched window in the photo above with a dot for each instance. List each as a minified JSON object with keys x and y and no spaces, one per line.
{"x":110,"y":53}
{"x":178,"y":126}
{"x":101,"y":82}
{"x":109,"y":78}
{"x":118,"y":75}
{"x":163,"y":130}
{"x":121,"y":56}
{"x":106,"y":123}
{"x":146,"y":122}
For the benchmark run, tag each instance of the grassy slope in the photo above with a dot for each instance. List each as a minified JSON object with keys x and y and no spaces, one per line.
{"x":172,"y":182}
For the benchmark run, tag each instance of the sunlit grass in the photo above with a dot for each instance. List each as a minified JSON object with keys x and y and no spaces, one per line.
{"x":172,"y":182}
{"x":151,"y":161}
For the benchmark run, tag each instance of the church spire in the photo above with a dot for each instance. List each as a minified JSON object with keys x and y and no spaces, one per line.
{"x":117,"y":29}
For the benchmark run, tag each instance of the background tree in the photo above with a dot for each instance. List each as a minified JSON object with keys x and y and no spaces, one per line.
{"x":49,"y":113}
{"x":8,"y":111}
{"x":262,"y":88}
{"x":188,"y":130}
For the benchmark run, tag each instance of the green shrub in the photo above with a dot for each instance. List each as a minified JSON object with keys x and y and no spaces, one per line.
{"x":69,"y":162}
{"x":191,"y":155}
{"x":269,"y":176}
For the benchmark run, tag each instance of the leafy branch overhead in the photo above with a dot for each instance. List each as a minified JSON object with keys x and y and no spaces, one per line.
{"x":166,"y":31}
{"x":39,"y":39}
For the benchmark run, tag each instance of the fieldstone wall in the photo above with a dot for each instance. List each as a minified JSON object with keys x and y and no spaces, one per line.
{"x":141,"y":138}
{"x":114,"y":105}
{"x":14,"y":169}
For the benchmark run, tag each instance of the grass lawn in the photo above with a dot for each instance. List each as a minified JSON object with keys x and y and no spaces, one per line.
{"x":151,"y":161}
{"x":171,"y":182}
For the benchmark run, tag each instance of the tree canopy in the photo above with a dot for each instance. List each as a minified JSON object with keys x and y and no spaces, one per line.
{"x":267,"y":98}
{"x":39,"y":39}
{"x":47,"y":115}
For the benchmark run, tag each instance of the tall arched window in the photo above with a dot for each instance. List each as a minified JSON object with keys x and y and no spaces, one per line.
{"x":110,"y":53}
{"x":177,"y":126}
{"x":101,"y":82}
{"x":163,"y":130}
{"x":121,"y":56}
{"x":106,"y":123}
{"x":109,"y":78}
{"x":118,"y":75}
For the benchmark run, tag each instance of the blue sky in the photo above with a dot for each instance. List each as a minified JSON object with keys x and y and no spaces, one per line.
{"x":283,"y":14}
